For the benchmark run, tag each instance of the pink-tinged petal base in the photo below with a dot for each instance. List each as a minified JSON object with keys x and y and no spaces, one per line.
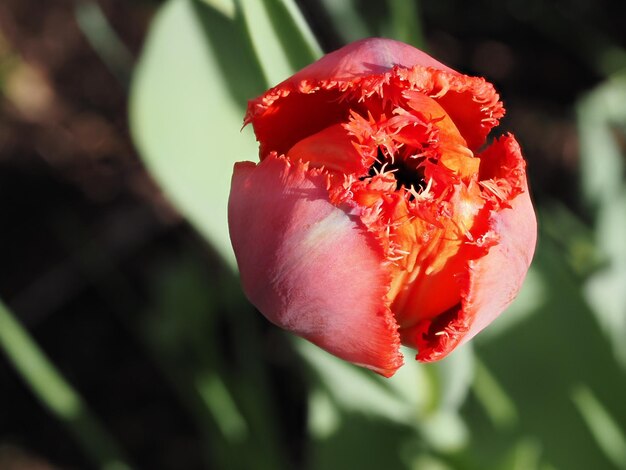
{"x":370,"y":56}
{"x":309,"y":266}
{"x":494,"y":279}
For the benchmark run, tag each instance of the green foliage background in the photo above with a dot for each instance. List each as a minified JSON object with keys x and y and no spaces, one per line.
{"x":543,"y":388}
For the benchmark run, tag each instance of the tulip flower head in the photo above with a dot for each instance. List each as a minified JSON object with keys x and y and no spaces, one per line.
{"x":375,"y":217}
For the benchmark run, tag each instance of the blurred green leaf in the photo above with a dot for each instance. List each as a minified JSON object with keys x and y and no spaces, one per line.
{"x":607,"y":433}
{"x":229,"y":399}
{"x":357,"y":390}
{"x":600,"y":114}
{"x":181,"y":331}
{"x":425,"y":397}
{"x":57,"y":395}
{"x":530,"y":298}
{"x":219,"y":400}
{"x":611,"y":227}
{"x":225,"y":7}
{"x":186,"y":108}
{"x":575,"y":239}
{"x":357,"y":19}
{"x":538,"y":364}
{"x":347,"y":20}
{"x":406,"y":22}
{"x":496,"y":402}
{"x":605,"y":289}
{"x":524,"y":455}
{"x":94,"y":24}
{"x":280,"y":36}
{"x":602,"y":125}
{"x":456,"y":373}
{"x":361,"y":442}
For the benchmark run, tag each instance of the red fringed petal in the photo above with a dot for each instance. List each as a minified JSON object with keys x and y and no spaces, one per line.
{"x":325,"y":92}
{"x":471,"y":102}
{"x":493,"y":278}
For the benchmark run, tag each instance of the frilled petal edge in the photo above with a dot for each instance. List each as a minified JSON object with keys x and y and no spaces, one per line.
{"x":311,"y":267}
{"x":340,"y":82}
{"x":493,"y":279}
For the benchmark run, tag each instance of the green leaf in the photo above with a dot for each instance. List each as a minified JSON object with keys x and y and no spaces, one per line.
{"x":57,"y":394}
{"x":225,"y":7}
{"x":602,"y":125}
{"x":94,"y":25}
{"x":361,"y":443}
{"x":605,"y":289}
{"x":405,"y":22}
{"x":189,"y":94}
{"x":280,"y":37}
{"x":425,"y":397}
{"x":194,"y":316}
{"x":187,"y":104}
{"x":600,"y":113}
{"x":549,"y":355}
{"x":347,"y":20}
{"x":605,"y":430}
{"x":357,"y":390}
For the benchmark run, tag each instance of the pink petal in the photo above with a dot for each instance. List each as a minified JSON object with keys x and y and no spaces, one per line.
{"x":310,"y":267}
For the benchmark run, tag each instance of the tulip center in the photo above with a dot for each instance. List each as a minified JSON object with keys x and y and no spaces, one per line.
{"x":407,"y":172}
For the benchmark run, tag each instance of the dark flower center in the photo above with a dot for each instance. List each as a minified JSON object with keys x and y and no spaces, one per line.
{"x":406,"y":173}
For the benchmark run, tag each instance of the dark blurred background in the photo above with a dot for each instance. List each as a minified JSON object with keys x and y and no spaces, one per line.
{"x":93,"y":256}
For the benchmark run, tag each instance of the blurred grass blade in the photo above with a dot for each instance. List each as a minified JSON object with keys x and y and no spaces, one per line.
{"x":226,"y":393}
{"x":526,"y":454}
{"x":603,"y":427}
{"x":94,"y":25}
{"x":456,"y":373}
{"x":324,"y":418}
{"x":187,"y":103}
{"x":280,"y":36}
{"x":267,"y":45}
{"x":298,"y":40}
{"x":219,"y":400}
{"x":346,"y":20}
{"x":56,"y":394}
{"x":406,"y":22}
{"x":497,"y":404}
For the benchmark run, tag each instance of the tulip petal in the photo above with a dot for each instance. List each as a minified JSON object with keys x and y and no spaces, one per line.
{"x":330,"y":88}
{"x":370,"y":56}
{"x":471,"y":102}
{"x":311,"y":267}
{"x":282,"y":107}
{"x":492,"y":280}
{"x":331,"y":148}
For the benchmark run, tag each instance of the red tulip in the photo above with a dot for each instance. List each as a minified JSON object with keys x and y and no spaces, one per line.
{"x":374,"y":217}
